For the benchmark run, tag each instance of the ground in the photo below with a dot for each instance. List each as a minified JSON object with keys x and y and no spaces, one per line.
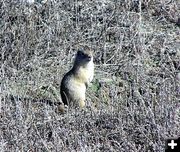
{"x":133,"y":103}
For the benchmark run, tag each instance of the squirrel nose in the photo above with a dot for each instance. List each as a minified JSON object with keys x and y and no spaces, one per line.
{"x":89,"y":58}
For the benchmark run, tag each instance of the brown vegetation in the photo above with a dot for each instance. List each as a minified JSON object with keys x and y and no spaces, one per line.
{"x":134,"y":101}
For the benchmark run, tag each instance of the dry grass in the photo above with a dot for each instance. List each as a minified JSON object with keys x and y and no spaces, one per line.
{"x":134,"y":101}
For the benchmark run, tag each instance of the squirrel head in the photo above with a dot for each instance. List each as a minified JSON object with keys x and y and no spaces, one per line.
{"x":83,"y":57}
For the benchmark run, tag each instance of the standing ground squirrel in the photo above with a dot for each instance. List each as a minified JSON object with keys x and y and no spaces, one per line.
{"x":74,"y":83}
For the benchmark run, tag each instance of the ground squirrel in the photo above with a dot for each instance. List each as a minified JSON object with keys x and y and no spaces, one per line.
{"x":74,"y":83}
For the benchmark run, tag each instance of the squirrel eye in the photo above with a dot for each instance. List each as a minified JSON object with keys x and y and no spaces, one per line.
{"x":81,"y":53}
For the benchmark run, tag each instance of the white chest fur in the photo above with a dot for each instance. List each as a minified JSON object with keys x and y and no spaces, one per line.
{"x":86,"y":74}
